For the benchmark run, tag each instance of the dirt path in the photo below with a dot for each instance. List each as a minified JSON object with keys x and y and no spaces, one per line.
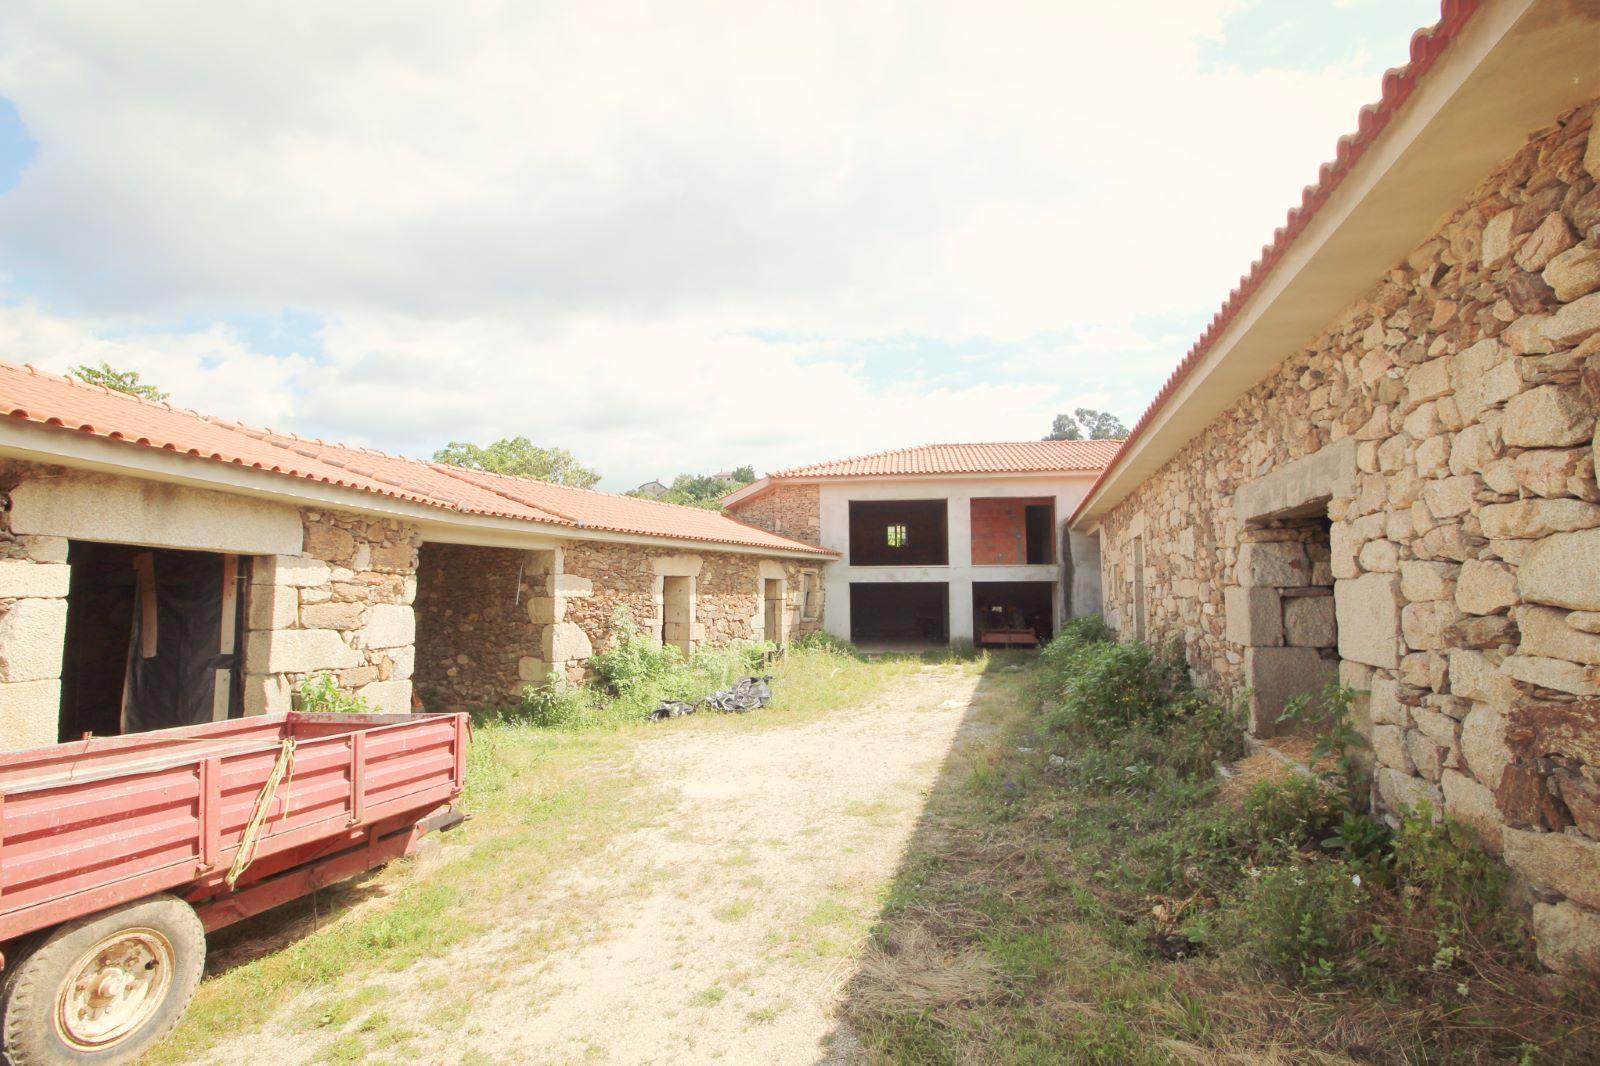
{"x":721,"y":931}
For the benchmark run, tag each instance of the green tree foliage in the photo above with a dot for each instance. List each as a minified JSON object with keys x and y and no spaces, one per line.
{"x":1087,"y":424}
{"x":107,"y":376}
{"x":704,"y":490}
{"x":519,"y":457}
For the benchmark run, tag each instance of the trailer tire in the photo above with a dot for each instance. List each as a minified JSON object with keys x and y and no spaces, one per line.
{"x":102,"y":989}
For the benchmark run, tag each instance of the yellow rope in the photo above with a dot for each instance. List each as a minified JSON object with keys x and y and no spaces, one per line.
{"x":282,"y":771}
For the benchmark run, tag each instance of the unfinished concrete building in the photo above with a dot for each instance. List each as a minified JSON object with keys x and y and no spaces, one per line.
{"x":945,"y":543}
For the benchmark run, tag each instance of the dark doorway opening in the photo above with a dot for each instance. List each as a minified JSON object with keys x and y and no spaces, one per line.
{"x":911,"y":611}
{"x":899,"y":533}
{"x":1038,"y":518}
{"x":152,"y":639}
{"x":1011,"y":613}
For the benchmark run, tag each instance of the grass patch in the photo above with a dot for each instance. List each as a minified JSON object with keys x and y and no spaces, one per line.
{"x":542,"y":799}
{"x":1081,"y":890}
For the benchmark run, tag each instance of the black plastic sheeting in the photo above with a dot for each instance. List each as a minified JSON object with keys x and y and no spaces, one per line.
{"x":746,"y":694}
{"x":177,"y":685}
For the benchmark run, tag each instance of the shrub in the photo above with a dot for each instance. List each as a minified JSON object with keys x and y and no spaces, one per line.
{"x":1445,"y":868}
{"x":1056,"y":656}
{"x":321,"y":694}
{"x":635,"y":665}
{"x":1290,"y":815}
{"x":826,"y":642}
{"x":1299,"y":921}
{"x":558,"y":702}
{"x":1113,"y":686}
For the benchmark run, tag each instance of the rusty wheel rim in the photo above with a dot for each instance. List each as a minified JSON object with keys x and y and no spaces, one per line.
{"x":113,"y":989}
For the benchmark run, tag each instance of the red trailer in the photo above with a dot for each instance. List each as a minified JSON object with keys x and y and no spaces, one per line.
{"x":118,"y":854}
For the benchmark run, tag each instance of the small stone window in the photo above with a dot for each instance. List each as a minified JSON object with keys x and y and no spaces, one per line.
{"x":810,"y":596}
{"x":897,"y":536}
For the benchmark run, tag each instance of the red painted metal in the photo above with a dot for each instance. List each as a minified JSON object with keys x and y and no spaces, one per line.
{"x":102,"y":821}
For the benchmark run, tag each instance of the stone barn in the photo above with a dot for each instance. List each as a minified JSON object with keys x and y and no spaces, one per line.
{"x":158,"y":568}
{"x":1379,"y":459}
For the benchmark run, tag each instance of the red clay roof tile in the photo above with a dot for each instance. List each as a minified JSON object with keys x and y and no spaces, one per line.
{"x":32,"y":395}
{"x":1005,"y":457}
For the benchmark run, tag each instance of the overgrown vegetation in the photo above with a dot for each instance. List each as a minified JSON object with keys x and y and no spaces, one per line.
{"x":1092,"y":889}
{"x":519,"y":457}
{"x":321,"y":693}
{"x":109,"y":377}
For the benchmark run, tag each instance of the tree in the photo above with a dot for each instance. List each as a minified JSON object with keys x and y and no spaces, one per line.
{"x":704,"y":490}
{"x":109,"y":377}
{"x":1087,"y":424}
{"x":519,"y":457}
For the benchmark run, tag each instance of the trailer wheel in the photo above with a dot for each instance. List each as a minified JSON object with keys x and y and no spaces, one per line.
{"x":102,"y":989}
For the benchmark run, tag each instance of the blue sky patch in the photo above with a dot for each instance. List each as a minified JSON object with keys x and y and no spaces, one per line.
{"x":17,"y":148}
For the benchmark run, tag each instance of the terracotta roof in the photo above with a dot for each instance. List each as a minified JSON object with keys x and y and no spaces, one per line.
{"x":1427,"y":45}
{"x":32,"y":395}
{"x":1005,"y":457}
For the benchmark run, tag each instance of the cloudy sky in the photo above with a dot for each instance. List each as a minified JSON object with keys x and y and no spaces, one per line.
{"x":674,"y":236}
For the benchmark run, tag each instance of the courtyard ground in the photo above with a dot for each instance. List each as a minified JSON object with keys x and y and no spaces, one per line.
{"x":699,"y":891}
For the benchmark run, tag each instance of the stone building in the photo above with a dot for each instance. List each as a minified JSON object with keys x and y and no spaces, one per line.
{"x":1380,"y":457}
{"x":943,"y":543}
{"x":158,"y":567}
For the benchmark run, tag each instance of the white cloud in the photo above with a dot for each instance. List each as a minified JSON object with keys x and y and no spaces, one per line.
{"x":570,"y":220}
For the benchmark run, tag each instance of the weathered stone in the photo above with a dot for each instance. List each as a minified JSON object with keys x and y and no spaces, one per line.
{"x":1451,"y":496}
{"x":329,"y":542}
{"x":1528,"y":799}
{"x":1501,"y":476}
{"x":1448,"y":542}
{"x":299,"y":651}
{"x":1567,"y":937}
{"x":1468,"y":801}
{"x":1380,"y":556}
{"x":1526,"y":336}
{"x":332,"y":615}
{"x":267,"y":694}
{"x":1488,"y":631}
{"x":1548,"y":471}
{"x":532,"y":670}
{"x":1574,"y":272}
{"x":1497,"y":238}
{"x":1562,"y":861}
{"x":292,"y":570}
{"x":1574,"y":321}
{"x":1277,"y":675}
{"x":273,"y":607}
{"x":1426,"y":756}
{"x":1308,"y":622}
{"x":1368,"y":613}
{"x":32,"y":633}
{"x":387,"y":697}
{"x":1438,"y":727}
{"x":1552,"y":237}
{"x":1483,"y":743}
{"x":26,"y":578}
{"x":390,"y":625}
{"x":1422,"y":423}
{"x":1545,"y":632}
{"x":1485,"y":587}
{"x":1273,"y":563}
{"x":1537,"y":518}
{"x":1550,"y":416}
{"x":564,"y":642}
{"x":1474,"y":448}
{"x":1587,"y":621}
{"x":1423,"y":624}
{"x":1560,"y":728}
{"x":1563,"y":570}
{"x":1328,"y":472}
{"x":1402,"y":791}
{"x":1429,"y":381}
{"x":1421,"y":580}
{"x":1579,"y":791}
{"x":1254,"y":616}
{"x":1555,"y":674}
{"x":1385,"y":706}
{"x":29,"y":713}
{"x":1433,"y":456}
{"x":1389,"y":745}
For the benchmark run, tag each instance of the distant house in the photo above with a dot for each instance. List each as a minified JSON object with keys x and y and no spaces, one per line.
{"x":651,"y":488}
{"x":159,"y":567}
{"x":944,"y":543}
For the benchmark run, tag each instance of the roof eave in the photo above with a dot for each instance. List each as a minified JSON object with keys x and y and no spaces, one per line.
{"x":1472,"y":108}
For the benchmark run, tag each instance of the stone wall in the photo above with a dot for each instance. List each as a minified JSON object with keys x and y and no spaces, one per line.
{"x":481,"y":612}
{"x":793,"y":511}
{"x":341,"y":606}
{"x":727,"y":591}
{"x":1445,"y":423}
{"x":34,"y":579}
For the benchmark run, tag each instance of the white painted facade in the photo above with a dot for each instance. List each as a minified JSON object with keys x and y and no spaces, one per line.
{"x":958,"y":491}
